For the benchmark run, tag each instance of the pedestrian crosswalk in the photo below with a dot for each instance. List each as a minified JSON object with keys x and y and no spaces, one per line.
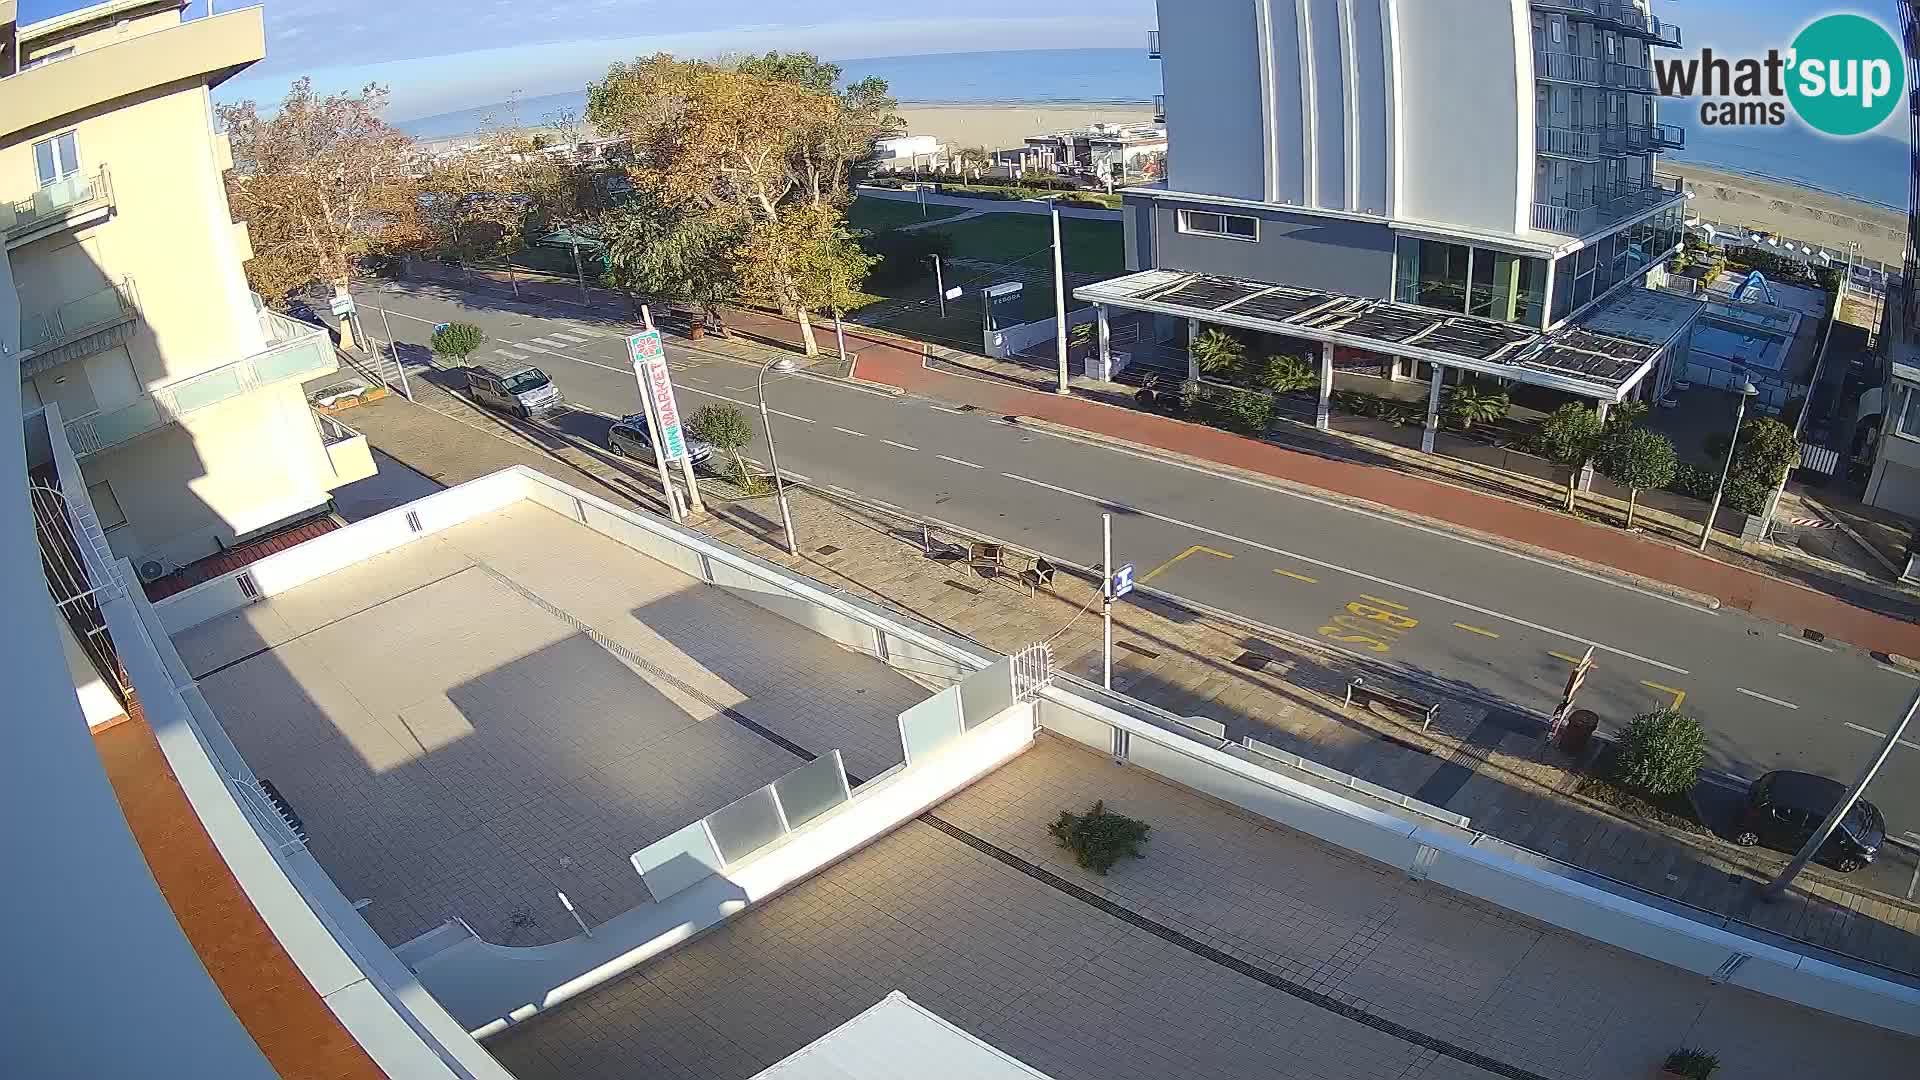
{"x":575,"y":338}
{"x":511,"y":355}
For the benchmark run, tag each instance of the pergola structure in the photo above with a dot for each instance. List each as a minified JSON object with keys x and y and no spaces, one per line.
{"x":1605,"y":367}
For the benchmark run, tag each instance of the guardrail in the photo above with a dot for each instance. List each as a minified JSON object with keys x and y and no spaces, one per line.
{"x":68,"y":195}
{"x":1567,"y":142}
{"x":1153,"y":44}
{"x":1566,"y":67}
{"x":1629,"y":77}
{"x":75,"y":319}
{"x":1160,"y":108}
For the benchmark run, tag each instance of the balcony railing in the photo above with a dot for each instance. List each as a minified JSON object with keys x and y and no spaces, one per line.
{"x":1567,"y":142}
{"x":1629,"y":77}
{"x":1159,"y":108}
{"x":1572,"y":217}
{"x":1153,"y":44}
{"x":1639,"y":138}
{"x":1566,"y":67}
{"x":1589,"y":9}
{"x":303,"y":353}
{"x":55,"y":203}
{"x":1581,"y":213}
{"x":333,"y":431}
{"x":1669,"y":137}
{"x":44,"y":331}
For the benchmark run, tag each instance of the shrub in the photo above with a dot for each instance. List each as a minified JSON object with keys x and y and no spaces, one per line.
{"x":1746,"y":494}
{"x":457,"y":340}
{"x":1637,"y":458}
{"x":1660,"y":753}
{"x":1099,"y":838}
{"x":727,"y":430}
{"x":1693,"y":481}
{"x":1692,"y":1064}
{"x":1246,"y":411}
{"x":1286,"y":374}
{"x":1218,"y":351}
{"x":1468,"y":404}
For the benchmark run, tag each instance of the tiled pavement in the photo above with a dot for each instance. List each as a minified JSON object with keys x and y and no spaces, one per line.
{"x":455,"y":748}
{"x":1234,"y":949}
{"x":1520,"y":790}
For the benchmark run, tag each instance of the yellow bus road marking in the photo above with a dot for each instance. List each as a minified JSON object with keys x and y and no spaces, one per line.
{"x":1194,"y":550}
{"x":1298,"y":577}
{"x":1678,"y":695}
{"x":1563,"y":656}
{"x":1383,"y":603}
{"x":1475,"y":630}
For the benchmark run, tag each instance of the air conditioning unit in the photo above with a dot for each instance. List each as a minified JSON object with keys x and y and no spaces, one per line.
{"x":151,"y":570}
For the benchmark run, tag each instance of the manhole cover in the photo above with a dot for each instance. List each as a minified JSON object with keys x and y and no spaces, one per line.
{"x":827,"y":549}
{"x":1252,"y":661}
{"x":1813,"y":635}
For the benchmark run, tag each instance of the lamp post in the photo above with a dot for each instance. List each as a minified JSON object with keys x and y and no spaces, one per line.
{"x":1813,"y":383}
{"x":783,"y":365}
{"x":1772,"y":889}
{"x":1747,"y":390}
{"x":1059,"y":297}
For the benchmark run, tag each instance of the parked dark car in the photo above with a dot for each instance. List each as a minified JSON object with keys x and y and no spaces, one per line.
{"x":1785,"y":808}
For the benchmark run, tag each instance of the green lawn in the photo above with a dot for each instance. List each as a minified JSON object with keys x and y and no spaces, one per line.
{"x":1092,"y":247}
{"x":879,"y":215}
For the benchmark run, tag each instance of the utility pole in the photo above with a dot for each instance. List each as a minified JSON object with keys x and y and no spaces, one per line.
{"x":940,"y":286}
{"x":840,"y":336}
{"x":1706,"y":531}
{"x":1772,"y":889}
{"x":573,"y":244}
{"x":1059,"y":297}
{"x":1813,"y":386}
{"x":1106,"y":601}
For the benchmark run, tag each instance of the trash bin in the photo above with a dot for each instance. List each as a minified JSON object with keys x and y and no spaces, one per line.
{"x":1578,"y":730}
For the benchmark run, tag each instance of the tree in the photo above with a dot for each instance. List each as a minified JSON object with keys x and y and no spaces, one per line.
{"x":727,"y":430}
{"x":1661,"y":753}
{"x":315,"y":183}
{"x":1637,"y":458}
{"x":1569,"y":436}
{"x":673,"y":253}
{"x":457,"y":340}
{"x":1469,"y":404}
{"x":1218,"y":351}
{"x":1767,"y":449}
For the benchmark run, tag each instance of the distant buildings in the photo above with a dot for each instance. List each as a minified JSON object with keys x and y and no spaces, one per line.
{"x":1104,"y":151}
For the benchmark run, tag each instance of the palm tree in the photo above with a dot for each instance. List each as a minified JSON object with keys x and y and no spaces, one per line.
{"x":1470,"y":405}
{"x":1218,"y":351}
{"x":1285,"y":374}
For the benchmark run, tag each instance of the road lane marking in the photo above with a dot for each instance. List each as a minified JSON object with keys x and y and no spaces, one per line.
{"x":1678,"y":695}
{"x":1475,"y":630}
{"x":1763,"y":697}
{"x":1881,"y":735}
{"x":899,"y":445}
{"x":510,"y":354}
{"x":1298,"y":577}
{"x":1388,"y":582}
{"x":1168,"y":565}
{"x":549,"y":343}
{"x":1383,"y":603}
{"x":564,"y":336}
{"x":1798,"y":640}
{"x":943,"y":408}
{"x":960,"y":461}
{"x":1563,"y":656}
{"x":850,"y":431}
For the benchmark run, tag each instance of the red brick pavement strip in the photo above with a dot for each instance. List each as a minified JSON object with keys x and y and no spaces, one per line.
{"x":903,"y":365}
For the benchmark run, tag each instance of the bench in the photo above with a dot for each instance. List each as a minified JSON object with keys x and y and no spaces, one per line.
{"x":1359,"y":691}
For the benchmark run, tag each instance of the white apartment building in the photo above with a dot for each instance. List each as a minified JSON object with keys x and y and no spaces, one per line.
{"x":124,"y":298}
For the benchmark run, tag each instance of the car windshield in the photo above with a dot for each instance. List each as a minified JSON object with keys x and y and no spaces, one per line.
{"x":531,"y":379}
{"x":1863,"y":822}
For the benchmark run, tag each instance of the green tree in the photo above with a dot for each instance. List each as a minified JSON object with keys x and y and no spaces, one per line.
{"x":1767,"y":449}
{"x":1218,"y":351}
{"x":1661,"y":753}
{"x":1626,"y":414}
{"x":1469,"y":404}
{"x":1569,"y":437}
{"x":457,"y":340}
{"x":727,"y":430}
{"x":1637,"y":458}
{"x":673,"y":253}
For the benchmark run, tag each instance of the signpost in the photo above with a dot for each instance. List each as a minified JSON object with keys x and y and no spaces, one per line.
{"x":1117,"y":584}
{"x":649,"y":359}
{"x":1574,"y":678}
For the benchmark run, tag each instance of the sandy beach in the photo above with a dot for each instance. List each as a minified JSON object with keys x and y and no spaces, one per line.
{"x":999,"y":126}
{"x":1806,"y":215}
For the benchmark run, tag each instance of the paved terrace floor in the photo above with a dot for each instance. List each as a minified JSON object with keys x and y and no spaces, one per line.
{"x":456,"y":748}
{"x":1235,"y":949}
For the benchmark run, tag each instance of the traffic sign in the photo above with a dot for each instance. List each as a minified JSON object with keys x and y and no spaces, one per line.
{"x":342,"y":304}
{"x":1121,"y":583}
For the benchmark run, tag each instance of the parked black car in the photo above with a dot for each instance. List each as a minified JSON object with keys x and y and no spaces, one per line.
{"x":1785,"y":808}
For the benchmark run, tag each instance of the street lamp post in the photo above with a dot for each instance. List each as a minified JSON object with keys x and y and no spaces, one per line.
{"x":1747,"y":390}
{"x":1774,"y":888}
{"x":1059,"y":297}
{"x":1813,"y":384}
{"x":783,"y":365}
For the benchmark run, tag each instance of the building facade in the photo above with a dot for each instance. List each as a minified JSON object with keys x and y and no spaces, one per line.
{"x":181,"y":395}
{"x":1487,"y":157}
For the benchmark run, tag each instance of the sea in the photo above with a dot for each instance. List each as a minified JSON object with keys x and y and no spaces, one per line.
{"x":1873,"y":168}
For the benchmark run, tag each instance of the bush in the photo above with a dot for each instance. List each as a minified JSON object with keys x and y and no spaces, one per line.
{"x":1099,"y":838}
{"x":727,"y":430}
{"x":457,"y":340}
{"x":1692,"y":1064}
{"x":1661,"y":753}
{"x":1286,"y":374}
{"x":1693,"y":481}
{"x":1469,"y":405}
{"x":1218,"y":351}
{"x":1246,"y":411}
{"x":1746,"y":494}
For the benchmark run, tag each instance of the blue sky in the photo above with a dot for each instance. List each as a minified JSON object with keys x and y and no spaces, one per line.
{"x":440,"y":55}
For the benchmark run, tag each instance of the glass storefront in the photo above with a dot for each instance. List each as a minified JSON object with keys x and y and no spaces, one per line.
{"x":1473,"y":280}
{"x":1588,"y":273}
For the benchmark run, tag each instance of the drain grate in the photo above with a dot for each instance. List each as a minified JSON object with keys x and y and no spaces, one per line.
{"x":1136,"y":650}
{"x":827,"y":549}
{"x":962,"y":587}
{"x":1252,"y":661}
{"x":1814,"y":636}
{"x":968,"y":408}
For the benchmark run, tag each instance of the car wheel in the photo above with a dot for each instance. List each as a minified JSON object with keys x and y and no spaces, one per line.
{"x":1746,"y":838}
{"x":1847,"y":864}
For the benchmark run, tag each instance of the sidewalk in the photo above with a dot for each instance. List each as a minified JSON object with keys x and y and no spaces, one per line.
{"x":1485,"y":764}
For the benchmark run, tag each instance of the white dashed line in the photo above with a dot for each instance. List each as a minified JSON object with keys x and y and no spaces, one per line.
{"x":511,"y":355}
{"x":836,"y":488}
{"x":1765,"y":698}
{"x":1347,"y":570}
{"x":549,"y":343}
{"x":1882,"y":735}
{"x":961,"y":461}
{"x":575,"y":338}
{"x":899,"y":446}
{"x":1803,"y":641}
{"x":850,"y":431}
{"x":943,"y":408}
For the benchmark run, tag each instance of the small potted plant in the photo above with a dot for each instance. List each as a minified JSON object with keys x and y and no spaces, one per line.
{"x":1690,"y":1064}
{"x":1149,"y":387}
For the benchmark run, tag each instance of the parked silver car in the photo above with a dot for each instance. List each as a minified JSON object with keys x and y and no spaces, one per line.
{"x":630,"y":437}
{"x":524,"y":392}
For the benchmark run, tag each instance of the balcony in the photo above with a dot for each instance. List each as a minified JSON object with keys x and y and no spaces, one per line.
{"x":1629,"y":77}
{"x":299,"y":352}
{"x":80,"y":199}
{"x":77,"y":328}
{"x":1578,"y":144}
{"x":1639,"y":138}
{"x":1573,"y":216}
{"x":1566,"y":67}
{"x":1159,"y":108}
{"x":1583,"y":213}
{"x":1669,"y":137}
{"x":347,"y":451}
{"x":1153,"y":44}
{"x":1577,"y":9}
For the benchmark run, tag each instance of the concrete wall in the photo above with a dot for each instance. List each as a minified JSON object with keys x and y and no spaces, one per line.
{"x":1210,"y":68}
{"x":1137,"y":231}
{"x":1026,"y":335}
{"x":1463,"y":92}
{"x":1308,"y":250}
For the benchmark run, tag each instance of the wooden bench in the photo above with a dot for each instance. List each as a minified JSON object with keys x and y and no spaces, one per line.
{"x":1366,"y":696}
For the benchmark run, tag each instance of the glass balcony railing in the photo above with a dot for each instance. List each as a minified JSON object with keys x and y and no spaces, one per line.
{"x":41,"y":331}
{"x":1581,"y":213}
{"x":1566,"y":67}
{"x":1669,"y":137}
{"x":1153,"y":44}
{"x":1572,"y":216}
{"x":299,"y":352}
{"x":64,"y":198}
{"x":1159,"y":108}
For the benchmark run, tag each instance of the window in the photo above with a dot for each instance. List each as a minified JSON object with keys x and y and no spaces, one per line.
{"x":1208,"y":223}
{"x":1557,"y":30}
{"x":105,"y":506}
{"x":48,"y":57}
{"x":57,"y":158}
{"x":1908,"y":421}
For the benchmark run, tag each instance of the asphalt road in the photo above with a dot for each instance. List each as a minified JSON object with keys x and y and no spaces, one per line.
{"x":1442,"y":606}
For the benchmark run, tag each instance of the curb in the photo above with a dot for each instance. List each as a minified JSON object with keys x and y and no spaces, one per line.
{"x":1492,"y":539}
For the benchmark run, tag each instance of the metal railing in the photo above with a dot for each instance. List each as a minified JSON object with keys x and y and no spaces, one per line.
{"x":1639,"y":138}
{"x":1153,"y":44}
{"x":295,"y":358}
{"x":1567,"y":142}
{"x":1566,"y":67}
{"x":1629,"y":77}
{"x":1160,"y":108}
{"x":332,"y":431}
{"x":1572,"y":218}
{"x":1669,"y":137}
{"x":68,"y":195}
{"x":74,"y":319}
{"x":1577,"y":8}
